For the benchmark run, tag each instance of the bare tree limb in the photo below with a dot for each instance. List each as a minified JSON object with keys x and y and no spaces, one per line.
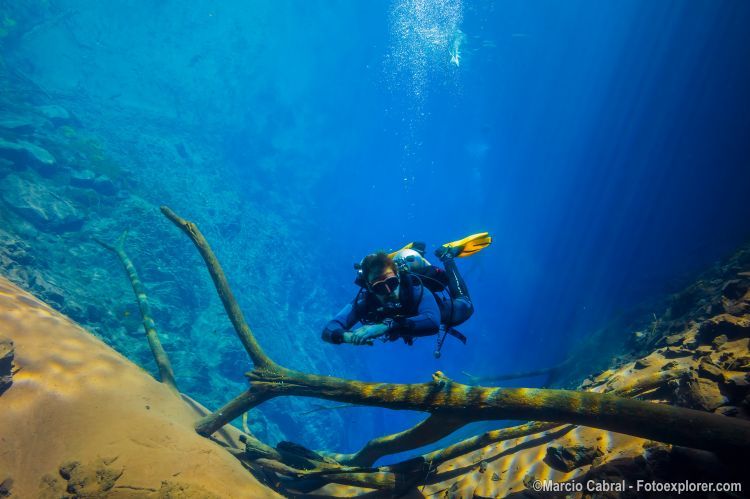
{"x":258,"y":356}
{"x":429,"y":430}
{"x":166,"y":374}
{"x":447,"y":398}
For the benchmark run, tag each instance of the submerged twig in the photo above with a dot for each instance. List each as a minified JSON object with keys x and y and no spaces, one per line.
{"x":166,"y":374}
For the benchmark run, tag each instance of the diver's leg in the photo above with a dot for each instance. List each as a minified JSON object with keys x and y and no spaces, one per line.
{"x":461,"y":311}
{"x":461,"y":308}
{"x":456,"y":284}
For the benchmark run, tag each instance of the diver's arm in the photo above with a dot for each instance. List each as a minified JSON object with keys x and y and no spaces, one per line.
{"x":336,"y":327}
{"x":425,"y":323}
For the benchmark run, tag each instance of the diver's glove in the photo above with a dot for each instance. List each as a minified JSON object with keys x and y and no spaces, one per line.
{"x":365,"y":334}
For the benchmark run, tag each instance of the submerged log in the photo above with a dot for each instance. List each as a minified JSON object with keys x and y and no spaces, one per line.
{"x":448,"y":399}
{"x":430,"y":430}
{"x":664,"y":423}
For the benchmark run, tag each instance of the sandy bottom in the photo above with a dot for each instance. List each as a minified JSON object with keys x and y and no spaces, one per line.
{"x":81,"y":418}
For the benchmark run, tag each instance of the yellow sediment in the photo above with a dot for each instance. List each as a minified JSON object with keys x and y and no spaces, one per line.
{"x":75,"y":399}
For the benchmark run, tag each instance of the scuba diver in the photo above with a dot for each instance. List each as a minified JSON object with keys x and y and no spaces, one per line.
{"x":403,"y":296}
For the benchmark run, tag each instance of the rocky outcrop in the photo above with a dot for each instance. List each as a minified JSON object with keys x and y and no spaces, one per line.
{"x":23,"y":154}
{"x":40,"y":204}
{"x":71,"y":172}
{"x":569,"y":458}
{"x":108,"y":429}
{"x":6,"y":364}
{"x":56,"y":114}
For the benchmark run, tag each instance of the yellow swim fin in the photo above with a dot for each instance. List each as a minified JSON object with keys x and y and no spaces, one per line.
{"x":466,"y":246}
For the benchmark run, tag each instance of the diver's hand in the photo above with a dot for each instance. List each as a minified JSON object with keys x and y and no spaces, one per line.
{"x":348,"y":337}
{"x":365,"y":334}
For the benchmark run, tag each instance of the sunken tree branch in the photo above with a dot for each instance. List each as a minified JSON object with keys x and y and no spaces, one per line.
{"x":260,"y":359}
{"x":430,"y":430}
{"x":166,"y":374}
{"x":448,"y":399}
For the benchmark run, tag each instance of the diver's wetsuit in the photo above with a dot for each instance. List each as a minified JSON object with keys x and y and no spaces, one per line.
{"x":461,"y":307}
{"x":418,"y":315}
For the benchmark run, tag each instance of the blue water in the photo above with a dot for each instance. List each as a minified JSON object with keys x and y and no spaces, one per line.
{"x":605,"y":145}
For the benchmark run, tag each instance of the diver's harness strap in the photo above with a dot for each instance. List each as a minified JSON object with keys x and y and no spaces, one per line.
{"x":443,"y":334}
{"x":445,"y":329}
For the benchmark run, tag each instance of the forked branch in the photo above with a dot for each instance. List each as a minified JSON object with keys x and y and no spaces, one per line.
{"x":447,"y":398}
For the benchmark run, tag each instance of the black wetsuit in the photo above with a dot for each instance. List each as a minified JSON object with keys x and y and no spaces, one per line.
{"x":420,"y":311}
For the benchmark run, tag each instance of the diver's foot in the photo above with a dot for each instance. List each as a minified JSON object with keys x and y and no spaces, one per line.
{"x":464,"y":247}
{"x":446,"y":252}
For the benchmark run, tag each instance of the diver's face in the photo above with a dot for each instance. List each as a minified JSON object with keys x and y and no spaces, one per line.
{"x":385,"y":286}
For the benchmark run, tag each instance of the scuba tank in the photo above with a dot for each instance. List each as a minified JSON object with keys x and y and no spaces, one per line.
{"x":435,"y":280}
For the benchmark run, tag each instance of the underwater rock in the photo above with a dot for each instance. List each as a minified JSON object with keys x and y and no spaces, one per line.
{"x":675,"y":353}
{"x":699,"y":393}
{"x":82,"y":178}
{"x":724,"y":324}
{"x":6,"y":364}
{"x":736,"y":289}
{"x":91,"y":480}
{"x":669,"y":365}
{"x":40,"y":205}
{"x":20,"y":123}
{"x":26,"y":154}
{"x":5,"y":487}
{"x":675,"y":339}
{"x":569,"y":458}
{"x":719,"y":340}
{"x":643,"y":363}
{"x":736,"y":379}
{"x":49,"y":292}
{"x":735,"y":297}
{"x":728,"y":410}
{"x":89,"y":180}
{"x":708,"y":369}
{"x":56,"y":114}
{"x":13,"y":249}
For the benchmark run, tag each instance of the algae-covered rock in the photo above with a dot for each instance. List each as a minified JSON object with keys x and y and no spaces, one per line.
{"x":56,"y":114}
{"x":22,"y":124}
{"x":700,"y":393}
{"x":92,"y":480}
{"x":569,"y":458}
{"x":89,"y":180}
{"x":25,"y":153}
{"x":708,"y":369}
{"x":39,"y":205}
{"x":724,"y":324}
{"x":736,"y":379}
{"x":6,"y":364}
{"x":6,"y":487}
